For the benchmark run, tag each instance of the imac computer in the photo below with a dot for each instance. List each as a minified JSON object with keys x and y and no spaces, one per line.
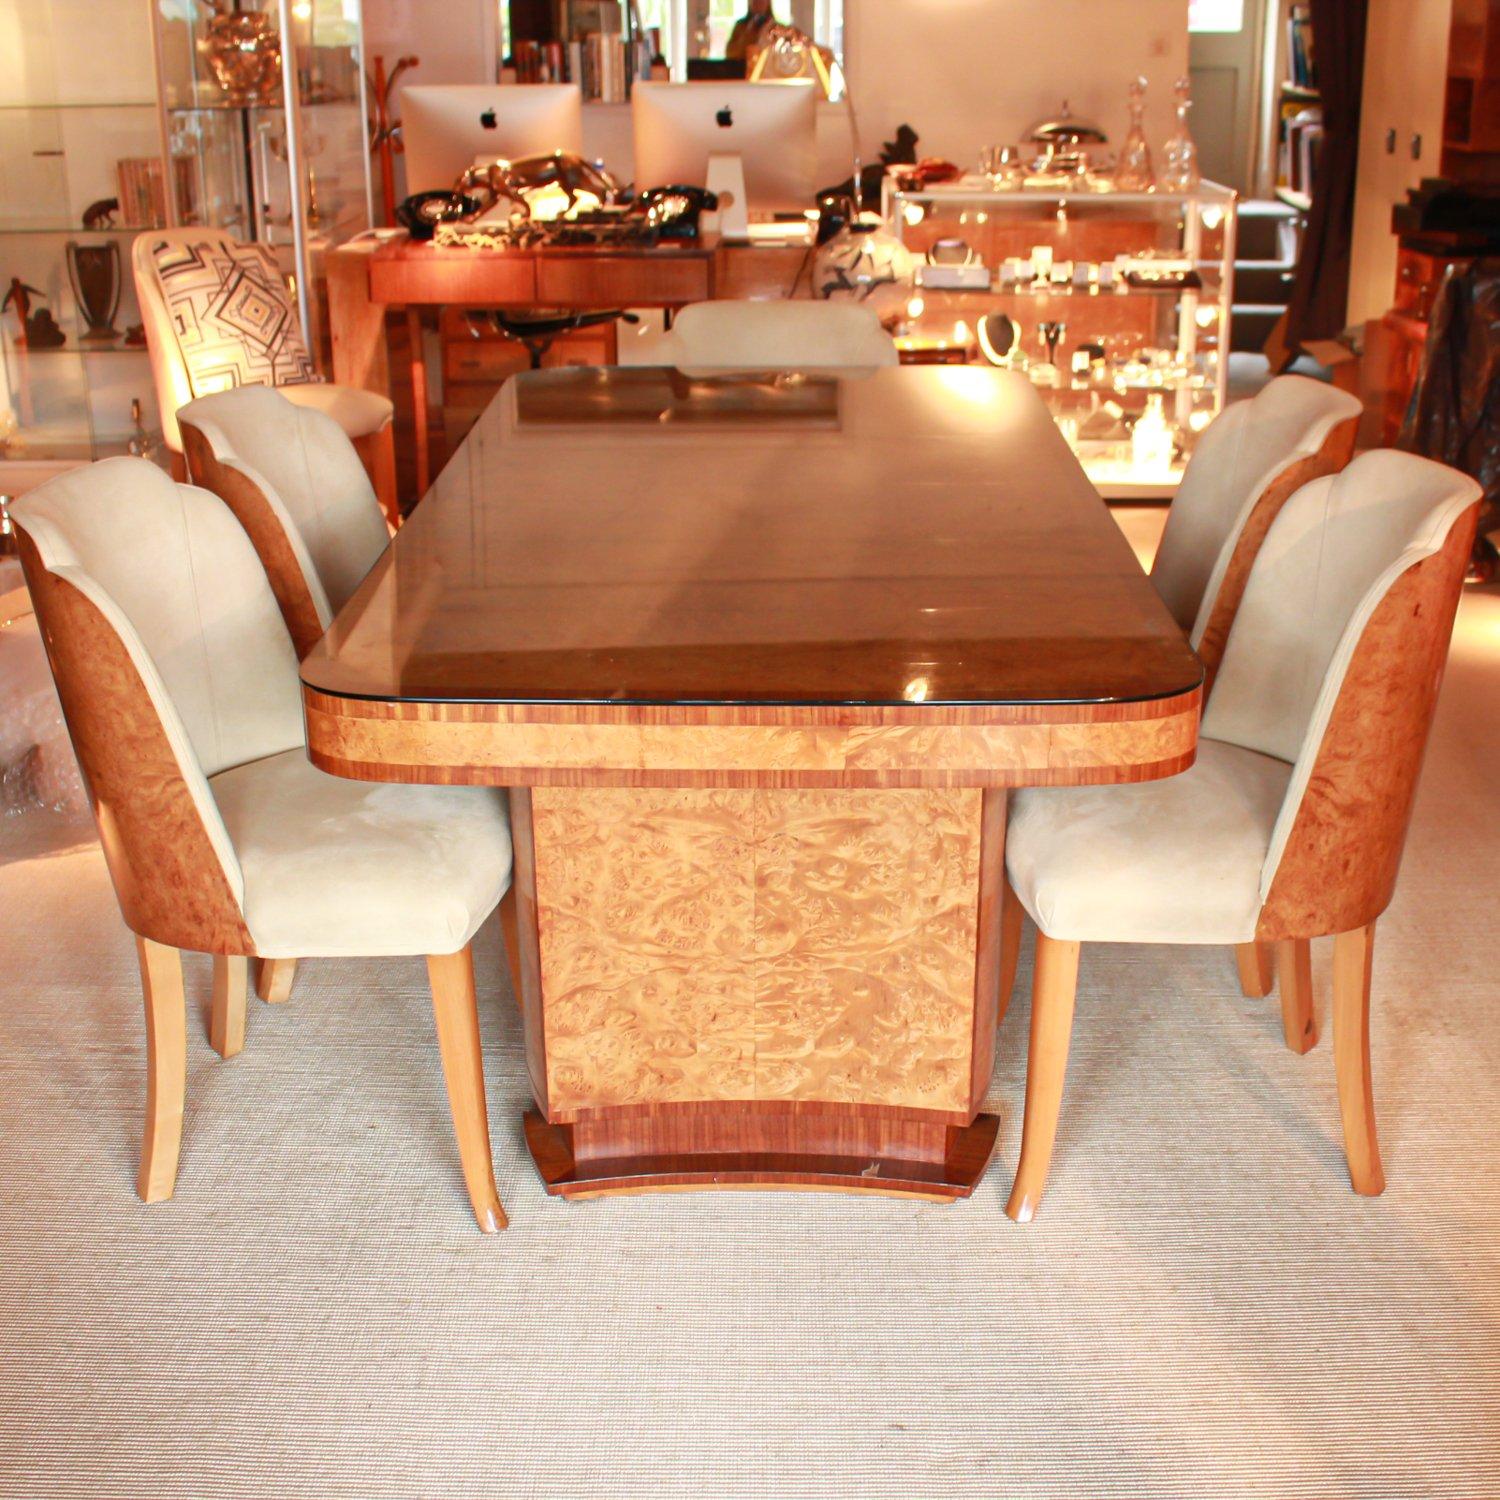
{"x":770,"y":128}
{"x":448,"y":127}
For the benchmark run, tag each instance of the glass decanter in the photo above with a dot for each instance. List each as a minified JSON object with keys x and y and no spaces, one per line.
{"x":1181,"y":174}
{"x":1133,"y":172}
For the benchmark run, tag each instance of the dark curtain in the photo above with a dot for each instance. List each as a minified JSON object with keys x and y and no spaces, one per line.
{"x":1320,"y":288}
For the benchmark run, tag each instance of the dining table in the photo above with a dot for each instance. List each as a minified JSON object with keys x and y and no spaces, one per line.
{"x":758,"y":657}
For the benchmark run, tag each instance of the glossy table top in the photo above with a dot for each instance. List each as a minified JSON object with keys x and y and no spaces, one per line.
{"x":913,"y":535}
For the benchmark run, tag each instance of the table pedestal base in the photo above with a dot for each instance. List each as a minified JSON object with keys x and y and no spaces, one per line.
{"x":840,"y":1153}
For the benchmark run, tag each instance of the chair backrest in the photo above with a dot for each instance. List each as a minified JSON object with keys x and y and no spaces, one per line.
{"x":709,"y":337}
{"x":172,"y":664}
{"x":1245,"y":466}
{"x":294,"y":480}
{"x":1333,"y":664}
{"x":255,"y":341}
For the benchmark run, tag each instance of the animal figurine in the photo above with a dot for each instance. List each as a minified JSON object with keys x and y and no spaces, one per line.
{"x":100,"y":214}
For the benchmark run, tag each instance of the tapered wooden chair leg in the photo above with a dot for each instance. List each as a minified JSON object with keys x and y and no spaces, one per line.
{"x":456,"y":1010}
{"x":1257,"y":965}
{"x":1353,"y":955}
{"x":1052,"y":996}
{"x":226,"y":1027}
{"x":273,"y":980}
{"x":1294,"y":977}
{"x":1011,"y":913}
{"x":166,"y":1068}
{"x":511,"y":932}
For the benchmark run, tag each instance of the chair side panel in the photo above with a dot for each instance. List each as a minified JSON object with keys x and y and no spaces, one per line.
{"x":1339,"y":868}
{"x":167,"y":877}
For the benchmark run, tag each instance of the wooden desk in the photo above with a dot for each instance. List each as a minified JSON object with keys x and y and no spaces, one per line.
{"x":758,"y":662}
{"x":368,"y":277}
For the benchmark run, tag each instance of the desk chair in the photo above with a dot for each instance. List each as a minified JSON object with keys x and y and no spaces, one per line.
{"x":179,"y":686}
{"x":1290,"y":824}
{"x":217,"y":316}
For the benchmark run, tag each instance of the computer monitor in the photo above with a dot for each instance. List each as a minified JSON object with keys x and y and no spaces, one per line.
{"x":447,"y":127}
{"x":771,"y":127}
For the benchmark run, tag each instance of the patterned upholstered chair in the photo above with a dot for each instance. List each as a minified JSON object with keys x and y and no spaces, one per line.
{"x":1290,"y":824}
{"x":713,"y":337}
{"x":293,"y":479}
{"x":179,"y":686}
{"x":217,"y":315}
{"x":1249,"y":462}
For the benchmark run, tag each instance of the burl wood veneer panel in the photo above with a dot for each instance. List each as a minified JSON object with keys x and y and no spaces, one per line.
{"x":745,"y":944}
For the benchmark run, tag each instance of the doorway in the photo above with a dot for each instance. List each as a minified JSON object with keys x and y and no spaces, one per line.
{"x":1225,"y":57}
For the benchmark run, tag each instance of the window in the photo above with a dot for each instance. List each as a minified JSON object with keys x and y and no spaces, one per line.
{"x":1216,"y":15}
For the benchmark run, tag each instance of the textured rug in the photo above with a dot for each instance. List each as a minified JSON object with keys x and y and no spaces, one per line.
{"x":1202,"y":1309}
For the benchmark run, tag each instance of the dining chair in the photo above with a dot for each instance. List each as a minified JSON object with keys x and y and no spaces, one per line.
{"x":1290,"y":823}
{"x":217,"y":315}
{"x":1249,"y":461}
{"x":293,"y":480}
{"x":714,"y":337}
{"x":179,"y":687}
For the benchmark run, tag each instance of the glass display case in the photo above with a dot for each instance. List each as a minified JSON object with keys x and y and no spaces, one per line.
{"x":1116,"y":304}
{"x":123,"y":115}
{"x":263,"y":107}
{"x":78,"y":115}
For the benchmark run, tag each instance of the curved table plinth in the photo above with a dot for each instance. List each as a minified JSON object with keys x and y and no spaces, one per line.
{"x":935,"y":1161}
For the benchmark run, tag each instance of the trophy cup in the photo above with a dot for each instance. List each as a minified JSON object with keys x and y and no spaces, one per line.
{"x":94,"y":271}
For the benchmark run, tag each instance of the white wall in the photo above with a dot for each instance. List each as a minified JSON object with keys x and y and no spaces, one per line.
{"x":962,"y":73}
{"x":968,"y":73}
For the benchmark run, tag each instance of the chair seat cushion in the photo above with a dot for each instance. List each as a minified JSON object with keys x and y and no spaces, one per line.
{"x":341,"y":869}
{"x":1172,"y":861}
{"x":358,"y":412}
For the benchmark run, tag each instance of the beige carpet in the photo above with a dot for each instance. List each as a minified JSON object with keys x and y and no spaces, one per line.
{"x":1203,"y":1308}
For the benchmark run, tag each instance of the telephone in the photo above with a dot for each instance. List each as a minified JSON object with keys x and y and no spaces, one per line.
{"x":673,"y":211}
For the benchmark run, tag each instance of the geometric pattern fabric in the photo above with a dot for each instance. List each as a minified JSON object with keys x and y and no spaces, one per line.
{"x":234,"y":320}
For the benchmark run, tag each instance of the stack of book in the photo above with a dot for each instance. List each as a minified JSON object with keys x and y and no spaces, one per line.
{"x":143,"y":202}
{"x":1299,"y":47}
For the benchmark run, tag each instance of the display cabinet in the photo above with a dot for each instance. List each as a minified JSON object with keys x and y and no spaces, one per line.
{"x":78,"y":113}
{"x":263,"y":106}
{"x":1116,"y":304}
{"x":118,"y":116}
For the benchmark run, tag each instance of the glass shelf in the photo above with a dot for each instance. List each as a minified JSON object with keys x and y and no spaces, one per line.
{"x":1208,"y":291}
{"x":74,"y":231}
{"x":77,"y":350}
{"x":41,"y":106}
{"x":223,"y":107}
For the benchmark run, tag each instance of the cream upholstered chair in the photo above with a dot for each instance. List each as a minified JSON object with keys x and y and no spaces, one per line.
{"x":1290,"y":823}
{"x":210,"y":328}
{"x":1246,"y":465}
{"x":711,"y":337}
{"x":293,"y":479}
{"x":179,"y":686}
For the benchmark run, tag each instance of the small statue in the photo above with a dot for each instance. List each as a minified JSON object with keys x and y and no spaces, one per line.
{"x":1181,"y":175}
{"x":1133,"y":172}
{"x":42,"y":331}
{"x":19,"y":296}
{"x":38,"y":329}
{"x":100,"y":214}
